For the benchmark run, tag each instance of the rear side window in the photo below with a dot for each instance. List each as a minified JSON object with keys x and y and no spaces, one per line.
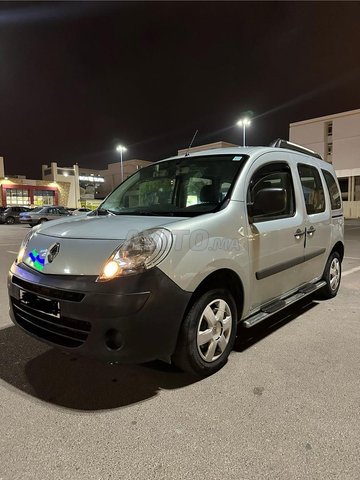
{"x":335,"y":196}
{"x":312,"y":189}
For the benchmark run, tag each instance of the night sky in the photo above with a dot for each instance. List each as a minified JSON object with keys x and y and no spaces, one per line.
{"x":77,"y":78}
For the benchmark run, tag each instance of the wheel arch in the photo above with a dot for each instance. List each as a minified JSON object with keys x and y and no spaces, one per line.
{"x":223,"y":278}
{"x":339,"y":247}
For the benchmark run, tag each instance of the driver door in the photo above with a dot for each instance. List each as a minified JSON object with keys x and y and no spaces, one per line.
{"x":276,"y":241}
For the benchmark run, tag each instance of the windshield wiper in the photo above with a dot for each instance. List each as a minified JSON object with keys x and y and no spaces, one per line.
{"x":146,"y":212}
{"x":104,"y":211}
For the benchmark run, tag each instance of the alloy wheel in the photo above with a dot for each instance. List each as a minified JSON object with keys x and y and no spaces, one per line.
{"x":214,"y":330}
{"x":334,"y":273}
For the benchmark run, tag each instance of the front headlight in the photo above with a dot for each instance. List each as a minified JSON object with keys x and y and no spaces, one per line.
{"x":24,"y":243}
{"x":141,"y":252}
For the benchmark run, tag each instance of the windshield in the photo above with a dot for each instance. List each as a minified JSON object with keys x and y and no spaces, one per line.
{"x":185,"y":187}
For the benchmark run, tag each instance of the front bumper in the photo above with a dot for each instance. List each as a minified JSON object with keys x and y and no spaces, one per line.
{"x":131,"y":319}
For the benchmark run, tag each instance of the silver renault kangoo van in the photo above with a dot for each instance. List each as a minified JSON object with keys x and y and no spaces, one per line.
{"x":181,"y":253}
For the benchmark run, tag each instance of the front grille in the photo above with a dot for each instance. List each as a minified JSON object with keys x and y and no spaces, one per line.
{"x":64,"y":331}
{"x":48,"y":291}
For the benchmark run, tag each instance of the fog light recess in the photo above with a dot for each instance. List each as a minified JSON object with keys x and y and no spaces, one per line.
{"x":113,"y":340}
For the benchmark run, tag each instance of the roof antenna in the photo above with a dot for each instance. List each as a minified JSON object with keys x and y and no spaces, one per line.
{"x":192,"y":141}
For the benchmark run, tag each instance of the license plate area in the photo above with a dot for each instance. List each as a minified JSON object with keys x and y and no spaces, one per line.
{"x":40,"y":304}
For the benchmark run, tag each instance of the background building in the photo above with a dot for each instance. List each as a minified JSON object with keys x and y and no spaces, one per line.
{"x":64,"y":175}
{"x":88,"y":186}
{"x":97,"y":184}
{"x":337,"y":139}
{"x":19,"y":190}
{"x":70,"y":187}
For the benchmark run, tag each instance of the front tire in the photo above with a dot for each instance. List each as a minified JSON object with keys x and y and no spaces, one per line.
{"x":207,"y":334}
{"x":332,"y":276}
{"x":10,"y":221}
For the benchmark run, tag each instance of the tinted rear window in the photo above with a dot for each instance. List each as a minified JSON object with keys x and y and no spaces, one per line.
{"x":312,"y":189}
{"x":335,"y":196}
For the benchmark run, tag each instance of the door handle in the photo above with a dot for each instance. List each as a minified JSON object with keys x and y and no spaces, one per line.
{"x":299,"y":233}
{"x":311,"y":230}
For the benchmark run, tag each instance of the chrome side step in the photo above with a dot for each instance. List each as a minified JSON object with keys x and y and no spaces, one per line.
{"x":275,"y":307}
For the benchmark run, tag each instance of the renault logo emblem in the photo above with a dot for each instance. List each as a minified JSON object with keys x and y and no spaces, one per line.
{"x":52,"y":252}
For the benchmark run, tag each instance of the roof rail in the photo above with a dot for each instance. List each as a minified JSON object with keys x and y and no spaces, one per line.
{"x":279,"y":143}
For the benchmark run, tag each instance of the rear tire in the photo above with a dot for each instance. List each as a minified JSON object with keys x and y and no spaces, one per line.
{"x":43,"y":220}
{"x":332,"y":277}
{"x":207,"y":334}
{"x":10,"y":221}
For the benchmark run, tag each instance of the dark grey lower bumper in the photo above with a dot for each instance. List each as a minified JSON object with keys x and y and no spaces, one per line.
{"x":131,"y":319}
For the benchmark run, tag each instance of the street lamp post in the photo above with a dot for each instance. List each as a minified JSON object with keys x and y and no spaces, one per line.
{"x":244,"y":122}
{"x":120,"y":149}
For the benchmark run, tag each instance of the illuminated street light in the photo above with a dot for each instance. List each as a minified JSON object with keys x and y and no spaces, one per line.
{"x":244,"y":122}
{"x":120,"y":149}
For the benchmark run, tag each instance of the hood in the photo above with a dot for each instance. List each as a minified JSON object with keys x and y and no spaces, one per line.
{"x":81,"y":246}
{"x":103,"y":227}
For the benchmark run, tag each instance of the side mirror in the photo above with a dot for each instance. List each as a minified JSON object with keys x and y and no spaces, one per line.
{"x":268,"y":201}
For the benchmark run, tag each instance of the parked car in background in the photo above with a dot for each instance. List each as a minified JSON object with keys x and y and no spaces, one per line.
{"x":81,"y":211}
{"x":10,"y":215}
{"x":30,"y":210}
{"x":44,"y":214}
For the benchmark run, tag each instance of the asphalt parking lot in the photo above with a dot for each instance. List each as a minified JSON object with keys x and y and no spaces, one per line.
{"x":286,"y":405}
